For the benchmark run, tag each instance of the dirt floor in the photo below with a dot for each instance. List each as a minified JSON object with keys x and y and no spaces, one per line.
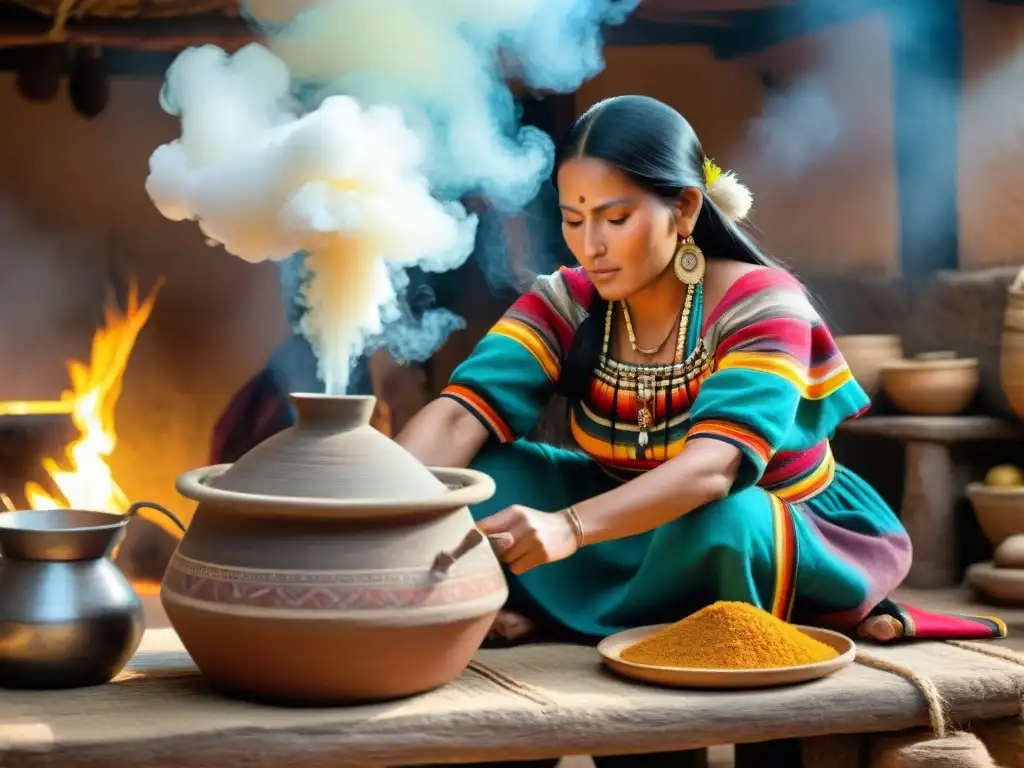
{"x":950,"y":600}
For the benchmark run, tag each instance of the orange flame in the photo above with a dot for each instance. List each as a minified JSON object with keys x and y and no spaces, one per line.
{"x":84,"y":479}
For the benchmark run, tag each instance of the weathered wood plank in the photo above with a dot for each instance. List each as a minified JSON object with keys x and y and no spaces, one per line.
{"x":162,"y":715}
{"x":934,"y":429}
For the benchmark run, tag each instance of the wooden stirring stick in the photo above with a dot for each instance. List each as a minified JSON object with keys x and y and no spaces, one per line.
{"x":498,"y":541}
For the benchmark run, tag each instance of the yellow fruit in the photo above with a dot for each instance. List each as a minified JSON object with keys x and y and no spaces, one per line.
{"x":1005,"y":475}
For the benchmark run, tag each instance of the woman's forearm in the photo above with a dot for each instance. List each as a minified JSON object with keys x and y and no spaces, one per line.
{"x":443,"y":434}
{"x":703,"y":472}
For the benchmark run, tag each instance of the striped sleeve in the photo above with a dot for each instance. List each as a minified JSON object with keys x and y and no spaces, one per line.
{"x":778,"y":382}
{"x":509,"y":378}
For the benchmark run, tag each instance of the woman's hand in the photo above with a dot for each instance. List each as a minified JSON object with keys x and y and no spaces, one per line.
{"x":532,"y":537}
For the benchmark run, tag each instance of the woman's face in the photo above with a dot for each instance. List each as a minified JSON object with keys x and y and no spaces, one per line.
{"x":621,"y":234}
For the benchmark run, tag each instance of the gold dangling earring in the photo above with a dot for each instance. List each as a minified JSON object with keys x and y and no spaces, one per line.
{"x":688,"y":262}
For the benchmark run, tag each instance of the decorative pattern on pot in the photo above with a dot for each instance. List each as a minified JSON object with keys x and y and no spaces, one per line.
{"x":327,"y":591}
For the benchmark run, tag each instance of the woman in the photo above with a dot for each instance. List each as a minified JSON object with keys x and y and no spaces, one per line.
{"x":703,"y":390}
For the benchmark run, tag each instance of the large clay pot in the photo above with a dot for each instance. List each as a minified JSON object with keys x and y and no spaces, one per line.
{"x":328,"y":565}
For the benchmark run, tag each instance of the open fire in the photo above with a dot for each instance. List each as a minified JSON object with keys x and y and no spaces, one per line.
{"x":82,"y":477}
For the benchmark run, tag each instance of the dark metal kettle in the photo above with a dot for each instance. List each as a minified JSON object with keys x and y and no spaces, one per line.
{"x":68,"y":616}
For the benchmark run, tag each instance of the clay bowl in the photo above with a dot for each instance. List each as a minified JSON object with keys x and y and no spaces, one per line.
{"x":1002,"y":578}
{"x":1002,"y":585}
{"x":866,"y":354}
{"x":939,"y":385}
{"x":1000,"y":510}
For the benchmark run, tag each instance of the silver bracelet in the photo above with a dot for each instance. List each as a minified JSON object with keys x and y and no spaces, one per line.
{"x":577,"y":526}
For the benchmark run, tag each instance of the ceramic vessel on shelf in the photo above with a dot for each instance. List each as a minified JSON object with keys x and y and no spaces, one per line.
{"x":999,"y":510}
{"x":68,"y":616}
{"x":934,"y":384}
{"x":1000,"y":513}
{"x":866,"y":354}
{"x":329,"y":565}
{"x":1011,"y":355}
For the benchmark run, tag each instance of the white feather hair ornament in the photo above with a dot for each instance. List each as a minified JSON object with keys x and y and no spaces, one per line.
{"x":724,"y":188}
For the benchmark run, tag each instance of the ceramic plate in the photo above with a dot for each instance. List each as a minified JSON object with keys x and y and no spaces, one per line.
{"x":612,"y":646}
{"x":1005,"y":585}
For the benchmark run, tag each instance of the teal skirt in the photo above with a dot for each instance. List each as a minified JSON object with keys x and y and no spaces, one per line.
{"x":827,"y":562}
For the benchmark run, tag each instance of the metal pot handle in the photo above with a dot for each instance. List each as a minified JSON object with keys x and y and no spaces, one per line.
{"x":134,"y":508}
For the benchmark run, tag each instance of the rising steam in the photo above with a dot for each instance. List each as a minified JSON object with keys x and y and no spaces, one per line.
{"x":352,"y":135}
{"x":342,"y":182}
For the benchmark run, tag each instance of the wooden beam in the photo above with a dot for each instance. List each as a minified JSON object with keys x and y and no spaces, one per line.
{"x":117,"y":62}
{"x":642,"y":32}
{"x":170,"y":34}
{"x":669,"y":10}
{"x":756,"y":31}
{"x":19,"y":28}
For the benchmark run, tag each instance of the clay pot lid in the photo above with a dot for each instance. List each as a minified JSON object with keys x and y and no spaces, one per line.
{"x":331,"y":453}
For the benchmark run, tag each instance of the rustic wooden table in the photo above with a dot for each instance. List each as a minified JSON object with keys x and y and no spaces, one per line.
{"x":531,"y":702}
{"x":932,"y":483}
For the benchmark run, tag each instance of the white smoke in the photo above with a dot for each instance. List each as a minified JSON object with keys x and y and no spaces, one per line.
{"x":342,"y":182}
{"x":350,"y":136}
{"x":439,"y":60}
{"x":799,"y":126}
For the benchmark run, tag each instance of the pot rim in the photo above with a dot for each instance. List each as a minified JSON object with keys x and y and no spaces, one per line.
{"x":981,"y":489}
{"x":475,"y":487}
{"x":9,"y":520}
{"x":937,"y":364}
{"x":855,"y":337}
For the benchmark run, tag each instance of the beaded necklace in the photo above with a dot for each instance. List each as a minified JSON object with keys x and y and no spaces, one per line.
{"x":647,"y":377}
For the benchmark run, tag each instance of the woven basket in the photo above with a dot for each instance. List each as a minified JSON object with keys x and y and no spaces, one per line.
{"x":1012,"y":353}
{"x":131,"y":9}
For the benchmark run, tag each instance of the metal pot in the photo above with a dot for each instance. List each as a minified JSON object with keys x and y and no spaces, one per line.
{"x":68,"y":616}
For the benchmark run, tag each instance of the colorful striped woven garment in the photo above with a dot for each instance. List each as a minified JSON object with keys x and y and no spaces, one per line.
{"x":798,"y":535}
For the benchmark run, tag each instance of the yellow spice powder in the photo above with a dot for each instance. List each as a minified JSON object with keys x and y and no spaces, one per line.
{"x":729,"y":635}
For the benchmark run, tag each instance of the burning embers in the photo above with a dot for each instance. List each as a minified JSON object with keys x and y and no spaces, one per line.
{"x":82,"y":478}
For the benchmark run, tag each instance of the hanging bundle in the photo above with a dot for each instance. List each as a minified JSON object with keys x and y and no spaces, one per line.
{"x":88,"y":81}
{"x":39,"y":72}
{"x":934,"y":748}
{"x":1003,"y":738}
{"x":922,"y":749}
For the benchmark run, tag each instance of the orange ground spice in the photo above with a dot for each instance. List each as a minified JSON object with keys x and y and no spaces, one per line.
{"x":729,"y":635}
